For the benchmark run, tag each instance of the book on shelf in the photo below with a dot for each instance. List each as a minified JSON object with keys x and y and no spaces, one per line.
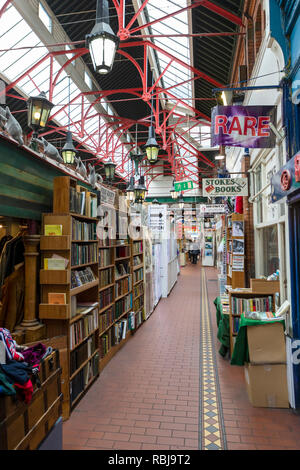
{"x":131,"y":321}
{"x":58,"y":257}
{"x":54,"y":264}
{"x":137,"y":261}
{"x":81,"y":277}
{"x":53,"y":230}
{"x":56,"y":298}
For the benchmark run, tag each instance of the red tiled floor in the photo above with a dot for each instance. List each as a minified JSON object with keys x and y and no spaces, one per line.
{"x":151,"y":382}
{"x":147,"y":397}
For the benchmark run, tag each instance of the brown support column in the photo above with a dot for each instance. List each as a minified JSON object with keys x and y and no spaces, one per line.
{"x":249,"y":228}
{"x":33,"y":329}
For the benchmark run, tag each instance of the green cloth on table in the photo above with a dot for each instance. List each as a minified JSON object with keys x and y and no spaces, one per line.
{"x":240,"y":353}
{"x":223,"y":328}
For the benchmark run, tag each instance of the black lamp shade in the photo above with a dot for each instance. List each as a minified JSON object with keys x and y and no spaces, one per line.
{"x":152,"y":147}
{"x":39,"y":109}
{"x":181,"y":201}
{"x":130,"y":190}
{"x":109,"y":168}
{"x":102,"y":42}
{"x":174,"y":194}
{"x":137,"y":159}
{"x":140,"y":191}
{"x":69,"y":151}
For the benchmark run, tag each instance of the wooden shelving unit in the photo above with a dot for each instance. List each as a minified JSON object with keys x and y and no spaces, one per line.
{"x":79,"y":282}
{"x":138,"y":273}
{"x":235,"y":278}
{"x":94,"y":337}
{"x":119,"y":306}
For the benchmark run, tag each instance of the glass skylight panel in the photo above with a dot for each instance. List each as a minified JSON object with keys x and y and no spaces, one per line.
{"x":179,"y":48}
{"x":45,"y":17}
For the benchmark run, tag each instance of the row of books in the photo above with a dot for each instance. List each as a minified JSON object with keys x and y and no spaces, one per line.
{"x":138,"y":303}
{"x":106,"y":297}
{"x":123,"y":305}
{"x":83,"y":230}
{"x":137,"y":247}
{"x":257,"y":304}
{"x":106,"y":277}
{"x":105,"y":258}
{"x":82,"y":276}
{"x":82,"y":353}
{"x":83,"y":254}
{"x":123,"y":286}
{"x":83,"y":327}
{"x":138,"y":290}
{"x":113,"y":337}
{"x":138,"y":275}
{"x":84,"y":377}
{"x":121,"y":269}
{"x":122,"y":251}
{"x":83,"y":202}
{"x":106,"y":319}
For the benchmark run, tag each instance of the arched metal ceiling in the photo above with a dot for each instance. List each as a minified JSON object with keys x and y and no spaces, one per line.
{"x":212,"y":54}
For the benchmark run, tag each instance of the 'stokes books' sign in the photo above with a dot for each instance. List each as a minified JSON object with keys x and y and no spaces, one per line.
{"x":225,"y":187}
{"x":243,"y":126}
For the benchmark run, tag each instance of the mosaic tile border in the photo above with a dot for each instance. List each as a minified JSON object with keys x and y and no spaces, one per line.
{"x":211,"y":424}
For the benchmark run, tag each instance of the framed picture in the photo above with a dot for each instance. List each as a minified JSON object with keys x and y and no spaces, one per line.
{"x":237,"y":228}
{"x":237,"y":247}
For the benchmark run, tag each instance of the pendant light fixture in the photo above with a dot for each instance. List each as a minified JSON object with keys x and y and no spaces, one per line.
{"x":136,"y":157}
{"x":181,"y":201}
{"x":130,"y":190}
{"x":174,"y":194}
{"x":110,"y":169}
{"x":152,"y":147}
{"x":39,"y":109}
{"x":140,"y":191}
{"x":102,"y":42}
{"x":69,"y":151}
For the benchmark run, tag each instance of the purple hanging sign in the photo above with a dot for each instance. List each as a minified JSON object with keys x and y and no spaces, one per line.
{"x":243,"y":126}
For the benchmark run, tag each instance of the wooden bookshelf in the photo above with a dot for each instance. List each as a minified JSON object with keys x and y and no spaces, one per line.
{"x":235,"y":278}
{"x":91,"y":344}
{"x":137,"y":250}
{"x":79,"y":282}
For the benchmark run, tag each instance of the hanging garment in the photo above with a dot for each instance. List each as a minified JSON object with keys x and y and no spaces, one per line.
{"x":12,"y":255}
{"x":12,"y":296}
{"x":34,"y":354}
{"x":3,"y":241}
{"x":10,"y":346}
{"x":239,"y":205}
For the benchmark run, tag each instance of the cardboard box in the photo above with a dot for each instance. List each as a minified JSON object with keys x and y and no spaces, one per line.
{"x":266,"y":344}
{"x":264,"y":287}
{"x":267,"y":385}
